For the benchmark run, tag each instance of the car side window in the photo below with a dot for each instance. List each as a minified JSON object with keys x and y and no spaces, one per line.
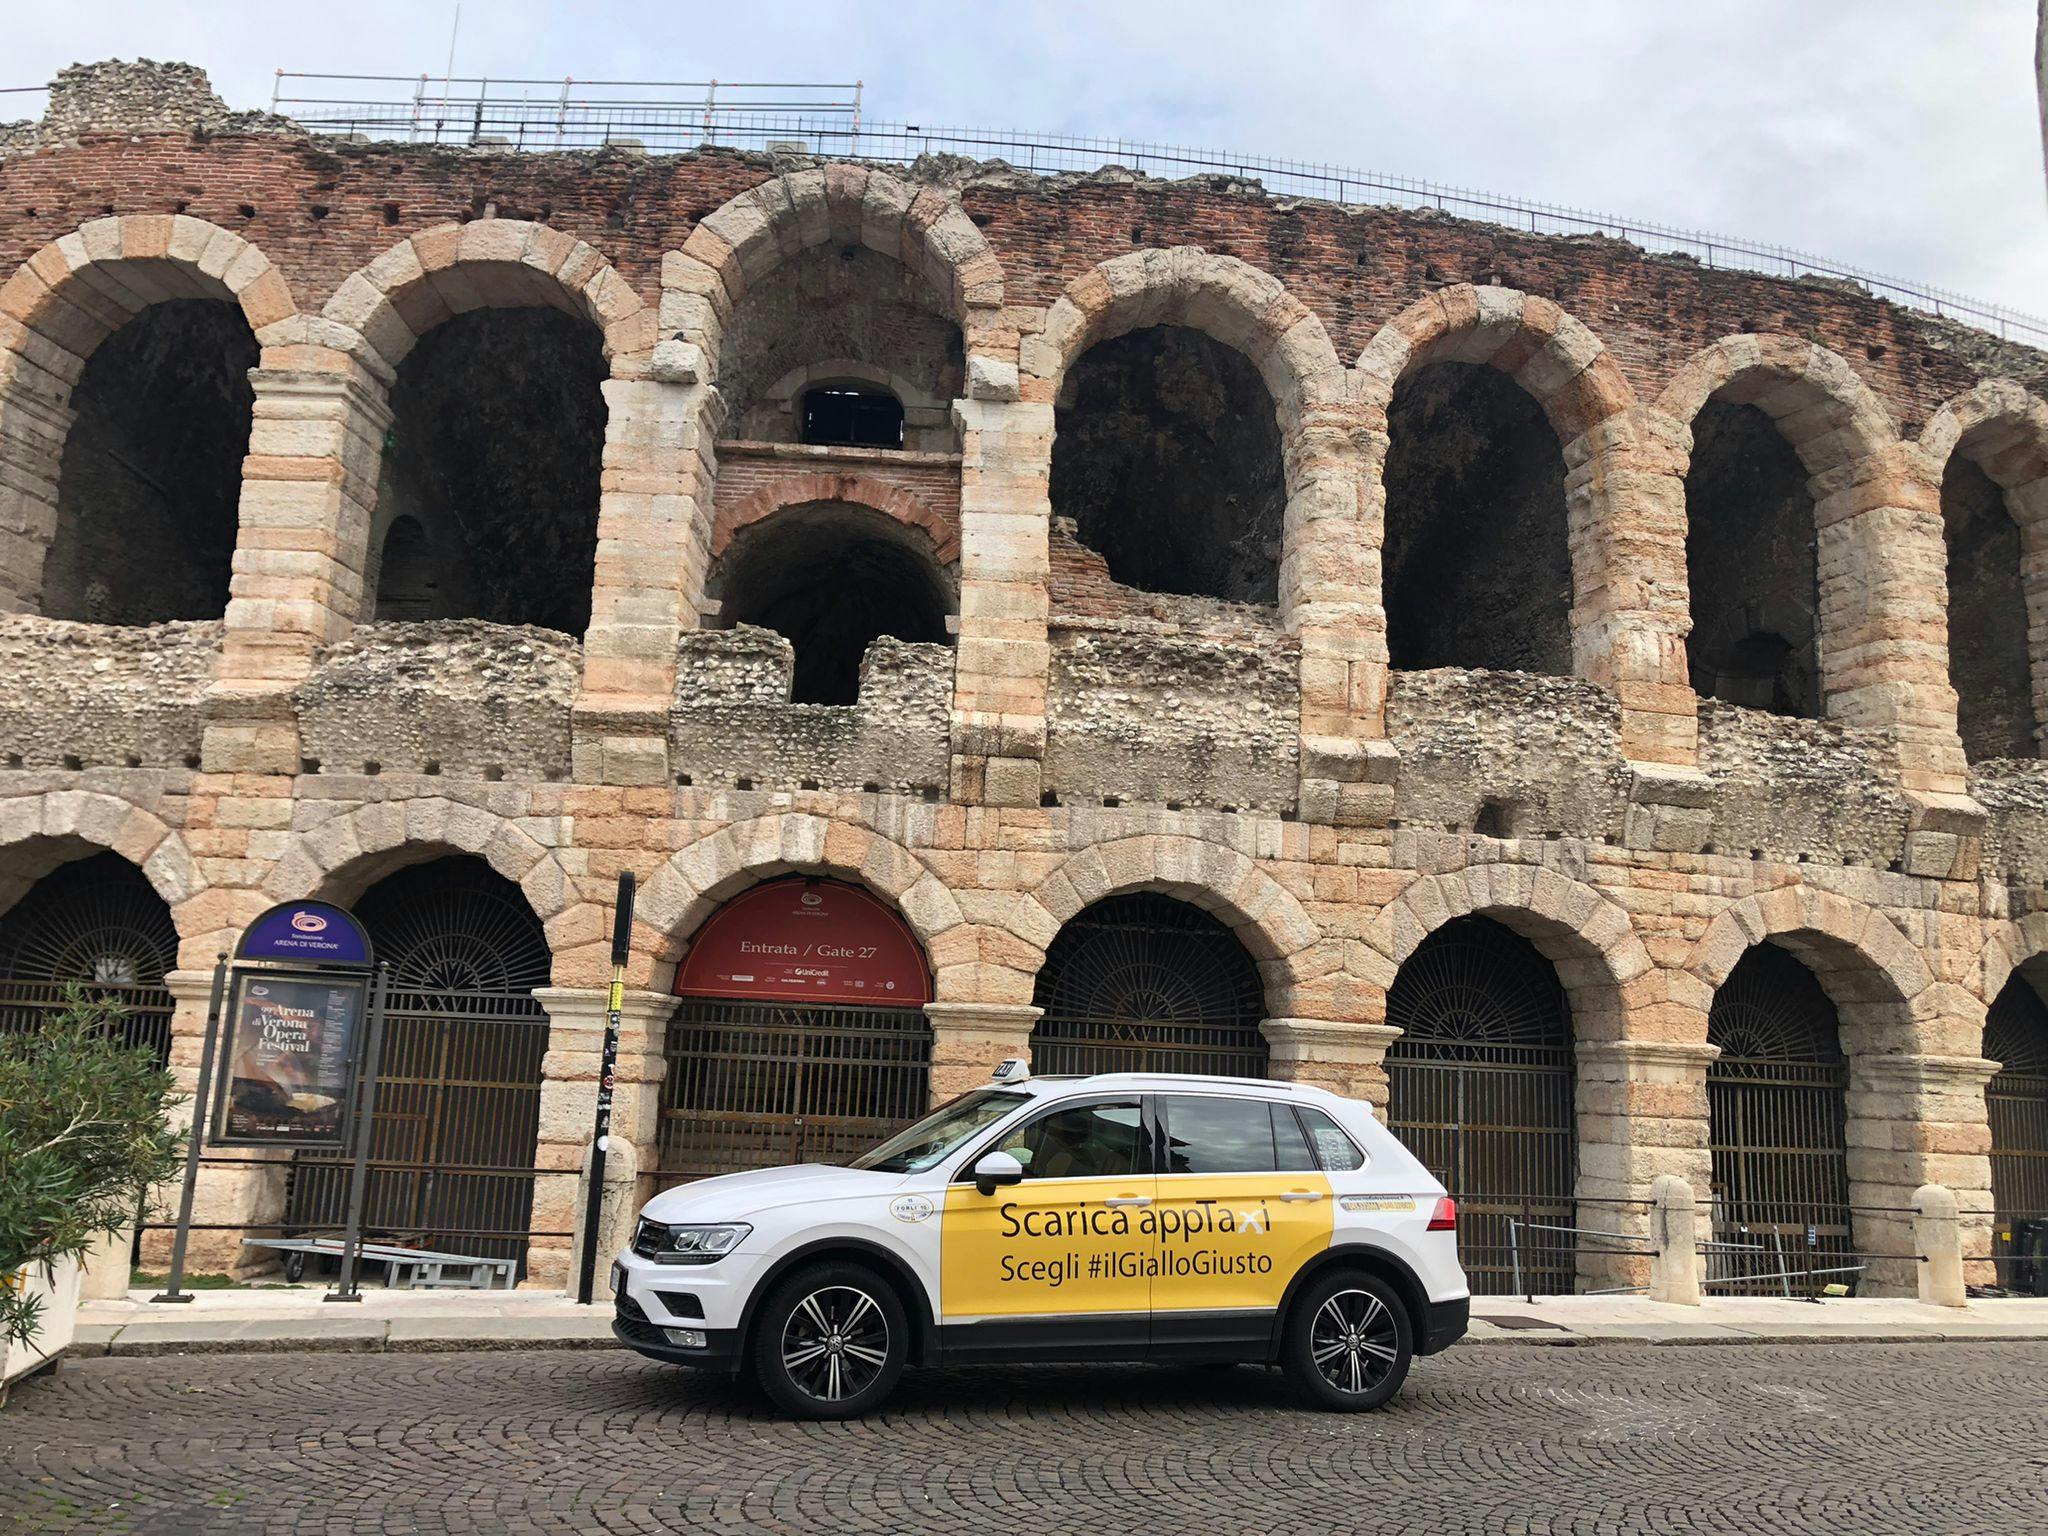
{"x":1212,"y":1135}
{"x":1291,"y":1151}
{"x":1083,"y":1141}
{"x":1334,"y":1150}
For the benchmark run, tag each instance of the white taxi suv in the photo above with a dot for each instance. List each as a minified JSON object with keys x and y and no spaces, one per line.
{"x":1132,"y":1216}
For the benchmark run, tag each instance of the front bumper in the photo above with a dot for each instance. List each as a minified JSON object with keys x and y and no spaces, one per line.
{"x":1443,"y":1324}
{"x":631,"y":1327}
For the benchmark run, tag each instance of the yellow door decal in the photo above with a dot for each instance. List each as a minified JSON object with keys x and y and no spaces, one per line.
{"x":1232,"y":1241}
{"x":1048,"y":1247}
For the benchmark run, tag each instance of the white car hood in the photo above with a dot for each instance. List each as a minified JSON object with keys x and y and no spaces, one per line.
{"x":741,"y":1196}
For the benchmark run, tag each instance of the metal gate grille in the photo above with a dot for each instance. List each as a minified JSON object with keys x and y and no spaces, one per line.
{"x":458,"y":1095}
{"x":2016,"y":1102}
{"x":758,"y":1085}
{"x":1480,"y":1088}
{"x":1777,"y":1098}
{"x":1145,"y":983}
{"x":98,"y":923}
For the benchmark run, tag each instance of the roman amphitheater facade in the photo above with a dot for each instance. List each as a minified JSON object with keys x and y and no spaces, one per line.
{"x":1344,"y":643}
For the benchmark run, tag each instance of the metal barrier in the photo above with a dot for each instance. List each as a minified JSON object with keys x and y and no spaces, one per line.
{"x":1644,"y":1249}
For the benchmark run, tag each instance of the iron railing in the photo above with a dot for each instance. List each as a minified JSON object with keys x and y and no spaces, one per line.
{"x":756,"y":1085}
{"x":2019,"y":1250}
{"x":680,"y":116}
{"x":1550,"y":1258}
{"x":145,"y":1010}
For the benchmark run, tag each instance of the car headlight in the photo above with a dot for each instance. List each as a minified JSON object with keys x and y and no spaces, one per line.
{"x":695,"y":1244}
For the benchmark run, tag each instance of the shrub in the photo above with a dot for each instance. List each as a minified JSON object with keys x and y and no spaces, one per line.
{"x":84,"y":1138}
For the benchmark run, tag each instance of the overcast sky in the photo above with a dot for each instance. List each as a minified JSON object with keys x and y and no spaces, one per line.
{"x":1896,"y":135}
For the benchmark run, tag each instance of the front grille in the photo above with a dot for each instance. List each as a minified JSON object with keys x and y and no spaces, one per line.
{"x":632,"y":1324}
{"x":682,"y":1304}
{"x":647,"y":1238}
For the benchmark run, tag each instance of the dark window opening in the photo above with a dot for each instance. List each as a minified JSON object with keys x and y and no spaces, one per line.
{"x":1750,"y":564}
{"x":832,"y":579}
{"x":494,"y":455}
{"x":1988,"y":663}
{"x":1166,"y":454}
{"x":406,"y":583}
{"x":842,"y":416}
{"x":151,"y":478}
{"x":1476,"y":564}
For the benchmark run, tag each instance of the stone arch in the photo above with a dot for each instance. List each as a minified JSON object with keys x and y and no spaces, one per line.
{"x":1567,"y":371}
{"x":696,"y":880}
{"x":341,"y":858}
{"x":2002,"y":428}
{"x":1560,"y":363}
{"x":1876,"y":977}
{"x":1222,"y":297}
{"x":1821,"y":405}
{"x":927,"y":417}
{"x":39,"y":832}
{"x":2008,"y":947}
{"x":1585,"y":935}
{"x":750,"y":235}
{"x":384,"y":308}
{"x":56,"y":309}
{"x":1271,"y":925}
{"x":854,"y":489}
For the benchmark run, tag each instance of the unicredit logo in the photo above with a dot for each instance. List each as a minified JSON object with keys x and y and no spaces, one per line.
{"x":309,"y":922}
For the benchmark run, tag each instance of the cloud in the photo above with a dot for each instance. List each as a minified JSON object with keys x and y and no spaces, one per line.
{"x":1890,"y":134}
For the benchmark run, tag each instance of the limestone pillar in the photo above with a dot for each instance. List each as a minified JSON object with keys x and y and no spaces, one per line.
{"x":1912,"y":1120}
{"x":1937,"y":1239}
{"x":1674,"y":1240}
{"x":1642,"y":1116}
{"x":1003,"y":656}
{"x":1330,"y":600}
{"x":309,"y":493}
{"x":653,"y":543}
{"x":1344,"y":1057}
{"x":1626,"y":516}
{"x":240,"y":1190}
{"x":970,"y":1039}
{"x":568,"y":1106}
{"x":34,"y":422}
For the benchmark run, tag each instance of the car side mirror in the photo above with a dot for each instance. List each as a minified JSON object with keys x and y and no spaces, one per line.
{"x":997,"y":1168}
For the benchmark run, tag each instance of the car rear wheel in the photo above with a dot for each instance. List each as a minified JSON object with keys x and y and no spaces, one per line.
{"x":831,"y":1342}
{"x":1348,"y":1343}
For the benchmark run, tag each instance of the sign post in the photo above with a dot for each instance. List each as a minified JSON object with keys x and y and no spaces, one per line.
{"x":607,"y":1072}
{"x":358,"y":1175}
{"x":282,"y":1059}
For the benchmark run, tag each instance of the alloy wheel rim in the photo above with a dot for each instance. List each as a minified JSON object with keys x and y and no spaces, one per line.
{"x":1353,"y":1341}
{"x":835,"y":1343}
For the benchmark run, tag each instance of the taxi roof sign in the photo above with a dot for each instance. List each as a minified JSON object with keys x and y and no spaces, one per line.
{"x":1011,"y":1069}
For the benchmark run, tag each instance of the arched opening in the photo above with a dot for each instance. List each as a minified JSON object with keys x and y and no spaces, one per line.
{"x":1476,"y":564}
{"x":1988,"y":662}
{"x":801,"y":1036}
{"x":494,"y":453}
{"x":407,"y":583}
{"x":2016,"y":1104}
{"x":1777,"y":1099}
{"x":1751,"y":565}
{"x":1480,"y":1087}
{"x":852,"y":416}
{"x":1166,"y":455}
{"x":831,"y":578}
{"x":806,"y":350}
{"x":1147,"y":983}
{"x":151,"y":477}
{"x":95,"y":922}
{"x":458,"y":1096}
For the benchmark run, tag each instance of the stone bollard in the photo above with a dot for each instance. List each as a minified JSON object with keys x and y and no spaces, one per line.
{"x":1674,"y":1230}
{"x":1938,"y":1238}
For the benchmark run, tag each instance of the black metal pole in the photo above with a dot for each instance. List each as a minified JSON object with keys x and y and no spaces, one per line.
{"x":172,"y":1291}
{"x":366,"y":1112}
{"x":608,"y":1066}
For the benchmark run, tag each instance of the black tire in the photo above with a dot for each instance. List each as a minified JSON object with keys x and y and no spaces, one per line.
{"x":294,"y":1267}
{"x":1348,"y":1342}
{"x":830,"y":1342}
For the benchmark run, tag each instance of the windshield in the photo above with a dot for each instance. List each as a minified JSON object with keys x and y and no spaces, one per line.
{"x":917,"y":1147}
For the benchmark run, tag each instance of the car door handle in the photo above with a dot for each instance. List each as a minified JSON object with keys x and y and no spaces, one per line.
{"x":1115,"y":1200}
{"x":1302,"y":1194}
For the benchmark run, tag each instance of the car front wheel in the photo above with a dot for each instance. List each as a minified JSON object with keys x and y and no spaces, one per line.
{"x":1348,"y":1343}
{"x":831,"y":1342}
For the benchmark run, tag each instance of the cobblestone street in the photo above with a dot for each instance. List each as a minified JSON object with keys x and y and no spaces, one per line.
{"x":1834,"y":1439}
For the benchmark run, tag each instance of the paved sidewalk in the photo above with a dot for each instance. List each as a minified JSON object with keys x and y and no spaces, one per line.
{"x":295,"y":1318}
